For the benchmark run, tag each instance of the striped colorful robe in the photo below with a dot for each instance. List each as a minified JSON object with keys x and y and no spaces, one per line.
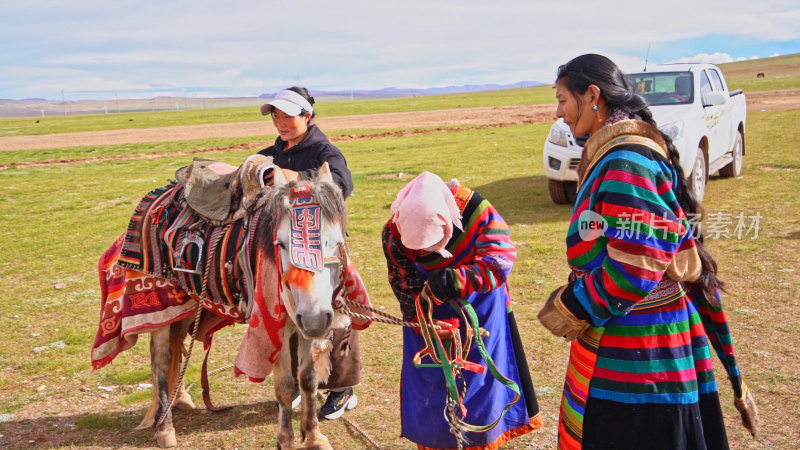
{"x":483,"y":255}
{"x":641,"y":376}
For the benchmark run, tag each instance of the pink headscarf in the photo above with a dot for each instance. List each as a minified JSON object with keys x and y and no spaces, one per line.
{"x":425,"y":212}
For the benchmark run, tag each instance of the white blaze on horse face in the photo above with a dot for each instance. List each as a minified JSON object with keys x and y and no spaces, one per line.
{"x":311,"y":307}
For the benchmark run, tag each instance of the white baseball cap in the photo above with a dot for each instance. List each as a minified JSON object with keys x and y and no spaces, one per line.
{"x":290,"y":102}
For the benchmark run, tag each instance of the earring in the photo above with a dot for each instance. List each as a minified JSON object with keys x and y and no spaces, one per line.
{"x":594,"y":108}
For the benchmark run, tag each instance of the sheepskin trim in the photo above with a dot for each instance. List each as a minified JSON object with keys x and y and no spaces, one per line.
{"x":591,"y":151}
{"x":321,"y":356}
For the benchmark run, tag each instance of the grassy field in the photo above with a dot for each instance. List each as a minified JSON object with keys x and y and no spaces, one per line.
{"x":66,"y":124}
{"x":781,"y":73}
{"x":57,"y":220}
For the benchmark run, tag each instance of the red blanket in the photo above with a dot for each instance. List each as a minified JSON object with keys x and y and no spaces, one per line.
{"x":133,"y":302}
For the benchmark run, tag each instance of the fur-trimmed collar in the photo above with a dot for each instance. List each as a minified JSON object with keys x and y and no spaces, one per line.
{"x":609,"y":132}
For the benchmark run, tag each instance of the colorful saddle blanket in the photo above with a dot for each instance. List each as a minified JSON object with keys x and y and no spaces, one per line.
{"x":168,"y":239}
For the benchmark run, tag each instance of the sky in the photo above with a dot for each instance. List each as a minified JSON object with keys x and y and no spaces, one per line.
{"x":102,"y":50}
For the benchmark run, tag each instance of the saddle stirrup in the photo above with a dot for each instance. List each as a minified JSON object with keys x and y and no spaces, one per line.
{"x":189,"y":239}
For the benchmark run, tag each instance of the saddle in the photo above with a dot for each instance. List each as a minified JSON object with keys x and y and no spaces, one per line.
{"x":221,"y":192}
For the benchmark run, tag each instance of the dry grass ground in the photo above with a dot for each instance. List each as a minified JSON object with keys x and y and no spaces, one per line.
{"x":56,"y":219}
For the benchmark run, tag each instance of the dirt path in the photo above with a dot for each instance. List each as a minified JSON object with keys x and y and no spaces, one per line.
{"x":497,"y":116}
{"x":454,"y":119}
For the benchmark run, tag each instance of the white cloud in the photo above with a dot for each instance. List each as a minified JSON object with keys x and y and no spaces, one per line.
{"x":194,"y":46}
{"x":713,"y":58}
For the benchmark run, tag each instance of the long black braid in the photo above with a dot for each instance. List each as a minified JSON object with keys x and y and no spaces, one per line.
{"x":619,"y":93}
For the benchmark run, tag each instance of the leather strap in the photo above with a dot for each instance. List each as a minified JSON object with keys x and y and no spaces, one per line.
{"x":204,"y":382}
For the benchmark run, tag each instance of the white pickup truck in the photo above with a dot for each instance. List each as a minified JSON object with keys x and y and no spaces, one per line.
{"x":692,"y":104}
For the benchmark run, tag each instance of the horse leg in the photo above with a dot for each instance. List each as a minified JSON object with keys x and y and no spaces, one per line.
{"x":284,"y":392}
{"x":307,"y":378}
{"x":178,"y":332}
{"x":162,"y":363}
{"x":177,"y":335}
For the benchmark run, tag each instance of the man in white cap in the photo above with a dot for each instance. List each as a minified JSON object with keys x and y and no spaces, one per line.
{"x":300,"y":149}
{"x":301,"y":146}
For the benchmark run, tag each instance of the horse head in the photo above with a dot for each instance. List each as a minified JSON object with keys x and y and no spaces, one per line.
{"x":308,"y":238}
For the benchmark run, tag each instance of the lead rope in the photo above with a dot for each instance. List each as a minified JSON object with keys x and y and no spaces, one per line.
{"x":212,"y":247}
{"x":185,"y":366}
{"x":384,"y":317}
{"x":362,"y":432}
{"x":442,"y":359}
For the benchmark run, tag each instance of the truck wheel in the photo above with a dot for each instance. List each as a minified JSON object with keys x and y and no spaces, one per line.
{"x":734,"y":168}
{"x":562,"y":192}
{"x":699,"y":176}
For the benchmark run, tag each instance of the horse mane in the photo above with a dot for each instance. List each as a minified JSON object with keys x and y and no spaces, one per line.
{"x":327,"y":195}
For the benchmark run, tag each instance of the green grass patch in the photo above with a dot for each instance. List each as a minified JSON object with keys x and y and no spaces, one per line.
{"x":102,"y":422}
{"x":154,"y":119}
{"x":57,"y":220}
{"x":781,"y":72}
{"x":136,"y":397}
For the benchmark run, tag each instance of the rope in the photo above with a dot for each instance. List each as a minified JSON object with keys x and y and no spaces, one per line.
{"x":384,"y":317}
{"x":183,"y":369}
{"x":220,"y":369}
{"x":362,"y":432}
{"x":452,"y":366}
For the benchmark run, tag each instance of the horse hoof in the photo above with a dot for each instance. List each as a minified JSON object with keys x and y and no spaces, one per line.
{"x":166,"y":438}
{"x":319,"y":443}
{"x":184,"y":401}
{"x":286,"y":446}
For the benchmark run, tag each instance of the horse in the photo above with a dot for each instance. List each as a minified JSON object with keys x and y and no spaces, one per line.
{"x":294,"y":246}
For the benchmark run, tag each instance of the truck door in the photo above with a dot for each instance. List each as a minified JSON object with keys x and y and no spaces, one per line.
{"x":713,"y":118}
{"x":724,"y":132}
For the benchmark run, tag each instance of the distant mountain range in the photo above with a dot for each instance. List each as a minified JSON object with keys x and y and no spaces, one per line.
{"x":39,"y":107}
{"x":393,"y":92}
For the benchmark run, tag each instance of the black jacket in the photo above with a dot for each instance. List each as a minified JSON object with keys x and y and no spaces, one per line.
{"x":309,"y":154}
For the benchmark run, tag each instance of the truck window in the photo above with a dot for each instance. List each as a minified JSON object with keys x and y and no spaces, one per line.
{"x":716,"y":80}
{"x":664,"y":88}
{"x":705,"y":85}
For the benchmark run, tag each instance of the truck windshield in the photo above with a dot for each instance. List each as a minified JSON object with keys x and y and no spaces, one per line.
{"x":665,"y":88}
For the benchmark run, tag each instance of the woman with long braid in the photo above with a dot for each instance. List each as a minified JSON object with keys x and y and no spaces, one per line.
{"x":642,"y":302}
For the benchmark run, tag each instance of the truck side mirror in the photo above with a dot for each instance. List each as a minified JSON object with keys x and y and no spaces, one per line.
{"x":715,"y":98}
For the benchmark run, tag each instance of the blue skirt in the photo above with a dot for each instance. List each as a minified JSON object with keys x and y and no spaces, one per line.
{"x":423,"y":391}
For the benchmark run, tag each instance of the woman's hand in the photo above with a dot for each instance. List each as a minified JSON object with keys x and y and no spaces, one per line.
{"x":442,"y":284}
{"x":559,"y":320}
{"x":446,"y":329}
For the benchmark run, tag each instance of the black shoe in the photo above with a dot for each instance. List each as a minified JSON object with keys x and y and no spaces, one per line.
{"x":296,"y":398}
{"x":337,"y":403}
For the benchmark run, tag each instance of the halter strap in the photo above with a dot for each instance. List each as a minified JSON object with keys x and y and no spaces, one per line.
{"x":452,"y":361}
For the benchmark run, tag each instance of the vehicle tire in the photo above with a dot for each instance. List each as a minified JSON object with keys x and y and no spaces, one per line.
{"x":699,"y":176}
{"x":562,"y":192}
{"x":734,"y":168}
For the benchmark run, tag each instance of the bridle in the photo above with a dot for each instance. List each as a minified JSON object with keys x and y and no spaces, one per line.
{"x":305,"y":239}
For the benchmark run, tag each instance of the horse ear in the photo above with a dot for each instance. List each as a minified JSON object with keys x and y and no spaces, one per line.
{"x":325,"y":173}
{"x":279,"y":178}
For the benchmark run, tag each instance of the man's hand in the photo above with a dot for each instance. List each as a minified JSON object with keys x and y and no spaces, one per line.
{"x":290,"y":175}
{"x":269,"y":176}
